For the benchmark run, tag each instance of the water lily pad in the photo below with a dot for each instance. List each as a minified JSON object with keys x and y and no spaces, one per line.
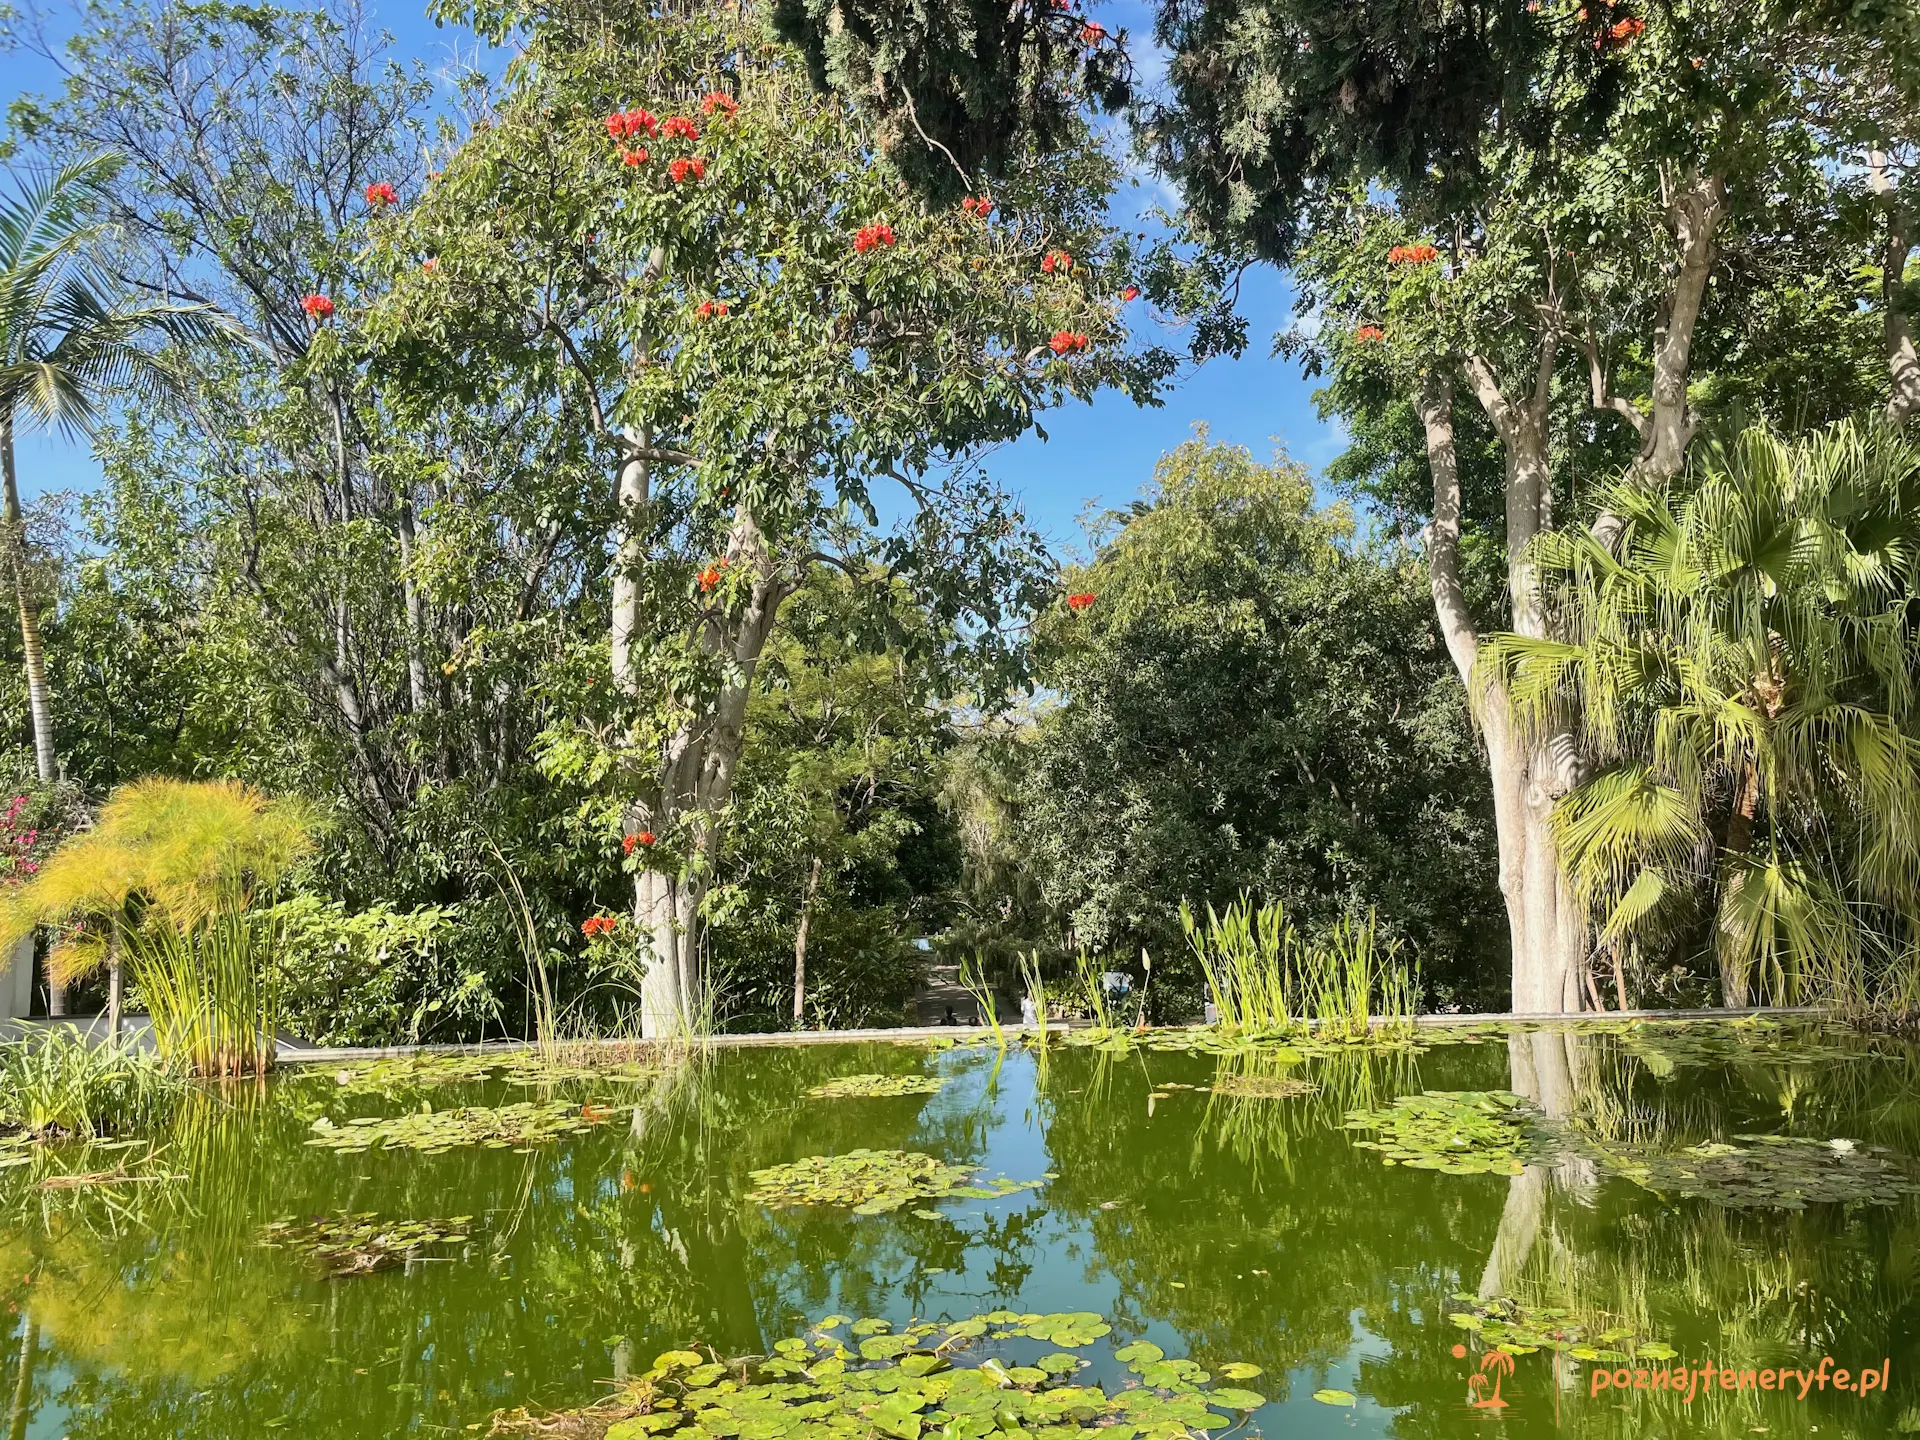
{"x":1768,"y":1171}
{"x":1461,"y":1132}
{"x":360,"y":1244}
{"x":973,"y":1387}
{"x":1263,"y":1087}
{"x":434,"y":1131}
{"x":846,"y":1087}
{"x":1335,"y":1397}
{"x":871,"y":1182}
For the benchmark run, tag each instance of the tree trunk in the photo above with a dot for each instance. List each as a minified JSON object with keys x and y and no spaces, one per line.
{"x":1547,"y":931}
{"x":1903,"y":364}
{"x":800,"y":947}
{"x":22,"y":1409}
{"x":116,"y":986}
{"x":38,"y":701}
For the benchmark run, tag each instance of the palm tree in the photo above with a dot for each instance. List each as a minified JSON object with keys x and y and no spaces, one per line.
{"x":1742,"y":668}
{"x":65,"y":343}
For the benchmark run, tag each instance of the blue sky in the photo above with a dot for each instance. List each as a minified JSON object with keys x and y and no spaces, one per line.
{"x":1103,"y":452}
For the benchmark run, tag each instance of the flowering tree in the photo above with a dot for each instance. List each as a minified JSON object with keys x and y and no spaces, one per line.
{"x":666,"y":234}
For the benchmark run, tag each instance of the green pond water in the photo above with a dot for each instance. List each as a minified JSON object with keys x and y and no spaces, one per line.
{"x":1192,"y":1200}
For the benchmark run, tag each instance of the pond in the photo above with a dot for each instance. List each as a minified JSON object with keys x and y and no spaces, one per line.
{"x":1584,"y":1194}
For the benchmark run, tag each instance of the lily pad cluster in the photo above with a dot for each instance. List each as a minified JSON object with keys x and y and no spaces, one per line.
{"x":872,"y":1182}
{"x":344,"y":1245}
{"x":1517,"y":1328}
{"x":966,"y":1380}
{"x":1771,"y":1171}
{"x":1460,"y":1132}
{"x":849,"y":1087}
{"x":1262,"y":1087}
{"x":436,"y":1131}
{"x":518,"y":1067}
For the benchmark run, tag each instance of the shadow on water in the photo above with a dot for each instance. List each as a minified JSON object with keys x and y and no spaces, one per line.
{"x":1214,"y":1204}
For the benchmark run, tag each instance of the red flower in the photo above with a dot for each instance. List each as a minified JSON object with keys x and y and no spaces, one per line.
{"x":1132,"y":292}
{"x":682,"y":168}
{"x":1081,"y":601}
{"x":977,"y":205}
{"x":1066,"y":340}
{"x":639,"y":120}
{"x":725,"y":104}
{"x":710,"y":576}
{"x":634,"y":157}
{"x":598,"y":925}
{"x":710,"y":308}
{"x":679,"y":127}
{"x":1412,"y":254}
{"x":381,"y":194}
{"x":1056,"y":262}
{"x":616,"y":124}
{"x":1093,"y":32}
{"x":1369,"y":333}
{"x":318,"y":307}
{"x":430,"y":265}
{"x":1626,"y":30}
{"x":646,"y":837}
{"x":871,"y":237}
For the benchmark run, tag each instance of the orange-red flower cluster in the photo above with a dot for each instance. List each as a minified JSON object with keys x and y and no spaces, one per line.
{"x":715,"y":100}
{"x":1093,"y":32}
{"x":872,"y":237}
{"x":977,"y":205}
{"x":710,"y":308}
{"x":318,"y":307}
{"x":1057,"y":262}
{"x":1628,"y":29}
{"x":644,"y":837}
{"x":1369,"y":332}
{"x":1081,"y":601}
{"x":1067,"y":341}
{"x":631,"y":122}
{"x":637,"y":156}
{"x":598,"y":925}
{"x":430,"y":265}
{"x":381,"y":194}
{"x":1132,"y":292}
{"x":1412,"y":254}
{"x":687,"y":165}
{"x":710,"y":576}
{"x":678,"y":127}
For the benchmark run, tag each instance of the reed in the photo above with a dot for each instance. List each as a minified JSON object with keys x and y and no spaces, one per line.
{"x":54,"y":1084}
{"x":1264,"y":977}
{"x":211,"y":991}
{"x":973,"y":979}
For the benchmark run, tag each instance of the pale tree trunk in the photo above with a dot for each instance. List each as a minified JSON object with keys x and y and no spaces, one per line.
{"x":38,"y":700}
{"x":800,"y":946}
{"x":1546,"y":930}
{"x":1545,"y":1068}
{"x":1903,"y":365}
{"x":694,"y":785}
{"x":22,"y":1409}
{"x":116,"y":985}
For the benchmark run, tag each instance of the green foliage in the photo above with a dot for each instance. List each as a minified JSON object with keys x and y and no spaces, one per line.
{"x":1245,"y":707}
{"x":872,"y":1182}
{"x":1461,"y":1132}
{"x":380,"y":975}
{"x":57,"y":1085}
{"x":1741,"y":670}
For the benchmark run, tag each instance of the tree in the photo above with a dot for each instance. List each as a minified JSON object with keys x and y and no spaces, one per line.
{"x":1252,"y":698}
{"x":749,"y":320}
{"x":1742,"y":668}
{"x":66,"y":345}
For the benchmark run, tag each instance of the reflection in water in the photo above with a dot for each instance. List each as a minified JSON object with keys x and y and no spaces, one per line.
{"x":1235,"y":1221}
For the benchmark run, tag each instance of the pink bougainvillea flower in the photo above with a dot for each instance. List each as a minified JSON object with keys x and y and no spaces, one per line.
{"x":381,"y":194}
{"x":318,"y":307}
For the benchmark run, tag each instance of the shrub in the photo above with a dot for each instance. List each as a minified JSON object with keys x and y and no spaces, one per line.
{"x":57,"y":1085}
